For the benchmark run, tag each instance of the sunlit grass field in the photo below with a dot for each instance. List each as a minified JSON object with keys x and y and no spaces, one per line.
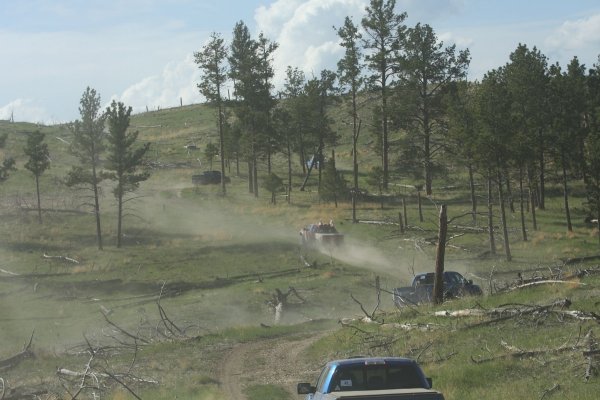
{"x":216,"y":262}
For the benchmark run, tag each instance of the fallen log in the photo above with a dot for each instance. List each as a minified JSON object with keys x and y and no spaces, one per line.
{"x":64,"y":372}
{"x":461,"y":313}
{"x":9,"y":272}
{"x":62,"y":258}
{"x":577,"y":260}
{"x":545,"y":282}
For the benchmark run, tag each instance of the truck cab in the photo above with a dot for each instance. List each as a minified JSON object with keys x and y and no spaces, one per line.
{"x":371,"y":377}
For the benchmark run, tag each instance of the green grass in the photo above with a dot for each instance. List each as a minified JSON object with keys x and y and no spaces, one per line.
{"x":219,"y":260}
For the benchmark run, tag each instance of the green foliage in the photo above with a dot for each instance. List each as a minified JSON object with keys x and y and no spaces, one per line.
{"x":210,"y":152}
{"x":273,"y":184}
{"x":333,"y":185}
{"x":8,"y":164}
{"x":3,"y":138}
{"x":87,"y":145}
{"x":38,"y":162}
{"x":123,"y":160}
{"x":37,"y":151}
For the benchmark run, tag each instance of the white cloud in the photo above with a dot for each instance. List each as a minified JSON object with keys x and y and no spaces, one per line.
{"x":177,"y":81}
{"x":26,"y":110}
{"x":576,"y":35}
{"x":304,"y":32}
{"x":449,"y":38}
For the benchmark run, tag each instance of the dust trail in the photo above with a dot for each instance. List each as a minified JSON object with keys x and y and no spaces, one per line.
{"x":400,"y":266}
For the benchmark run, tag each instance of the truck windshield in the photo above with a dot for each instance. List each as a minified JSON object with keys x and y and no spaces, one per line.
{"x":376,"y":377}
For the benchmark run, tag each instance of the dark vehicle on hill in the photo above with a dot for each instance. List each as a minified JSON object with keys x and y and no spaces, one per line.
{"x":324,"y":234}
{"x":421,"y":290}
{"x":208,"y":177}
{"x":363,"y":378}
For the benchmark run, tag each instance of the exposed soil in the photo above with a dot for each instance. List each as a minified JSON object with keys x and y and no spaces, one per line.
{"x":279,"y":362}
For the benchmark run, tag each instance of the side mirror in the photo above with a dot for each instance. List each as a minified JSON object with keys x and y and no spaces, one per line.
{"x":305,"y":388}
{"x":430,"y":382}
{"x":470,"y":281}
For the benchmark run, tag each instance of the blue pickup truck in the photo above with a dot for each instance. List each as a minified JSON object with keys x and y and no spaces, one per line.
{"x":363,"y":378}
{"x":421,"y":290}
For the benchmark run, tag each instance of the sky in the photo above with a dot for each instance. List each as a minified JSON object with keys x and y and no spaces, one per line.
{"x":140,"y":52}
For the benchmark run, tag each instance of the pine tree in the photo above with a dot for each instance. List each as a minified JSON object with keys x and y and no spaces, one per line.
{"x":38,"y":163}
{"x":212,"y":62}
{"x":87,"y":145}
{"x":123,"y":160}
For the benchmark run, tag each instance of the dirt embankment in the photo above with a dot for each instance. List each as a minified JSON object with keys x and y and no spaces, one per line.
{"x":277,"y":362}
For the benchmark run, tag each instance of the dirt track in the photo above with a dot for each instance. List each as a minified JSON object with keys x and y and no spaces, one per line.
{"x":267,"y":362}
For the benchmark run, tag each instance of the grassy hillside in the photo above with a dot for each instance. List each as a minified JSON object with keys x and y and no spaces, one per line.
{"x":210,"y":265}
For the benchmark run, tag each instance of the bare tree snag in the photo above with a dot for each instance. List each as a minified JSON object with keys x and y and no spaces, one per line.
{"x":370,"y":317}
{"x":549,"y":391}
{"x":13,"y":361}
{"x":438,"y":284}
{"x":279,"y":300}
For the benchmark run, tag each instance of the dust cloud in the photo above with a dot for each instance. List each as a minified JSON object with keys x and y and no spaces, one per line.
{"x":400,"y":266}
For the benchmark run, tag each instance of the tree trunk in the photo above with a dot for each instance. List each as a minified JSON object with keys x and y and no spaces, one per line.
{"x":542,"y":193}
{"x":221,"y":143}
{"x":598,"y":223}
{"x":531,"y":197}
{"x":473,"y":198}
{"x":255,"y":176}
{"x":119,"y":214}
{"x":37,"y":189}
{"x":420,"y":208}
{"x":355,"y":133}
{"x":438,"y":285}
{"x":509,"y":191}
{"x":503,"y":218}
{"x":521,"y":205}
{"x":289,"y":160}
{"x":250,"y":178}
{"x":97,"y":207}
{"x":566,"y":195}
{"x":384,"y":137}
{"x":404,"y":211}
{"x":491,"y":215}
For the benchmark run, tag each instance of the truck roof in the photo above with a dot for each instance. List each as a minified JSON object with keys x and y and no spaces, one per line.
{"x":373,"y":361}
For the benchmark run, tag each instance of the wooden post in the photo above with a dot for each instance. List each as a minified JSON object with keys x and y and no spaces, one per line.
{"x":400,"y":222}
{"x":438,"y":285}
{"x":404,"y":211}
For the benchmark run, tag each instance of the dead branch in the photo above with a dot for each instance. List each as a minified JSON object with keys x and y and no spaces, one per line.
{"x":123,"y":331}
{"x":13,"y":361}
{"x":592,"y":348}
{"x":544,"y":282}
{"x":9,"y":272}
{"x":24,"y":393}
{"x":169,"y":325}
{"x":124,"y":385}
{"x":367,"y":315}
{"x":509,"y":311}
{"x":62,"y":258}
{"x":549,"y":391}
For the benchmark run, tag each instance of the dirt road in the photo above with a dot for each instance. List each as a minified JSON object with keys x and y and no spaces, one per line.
{"x":267,"y":362}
